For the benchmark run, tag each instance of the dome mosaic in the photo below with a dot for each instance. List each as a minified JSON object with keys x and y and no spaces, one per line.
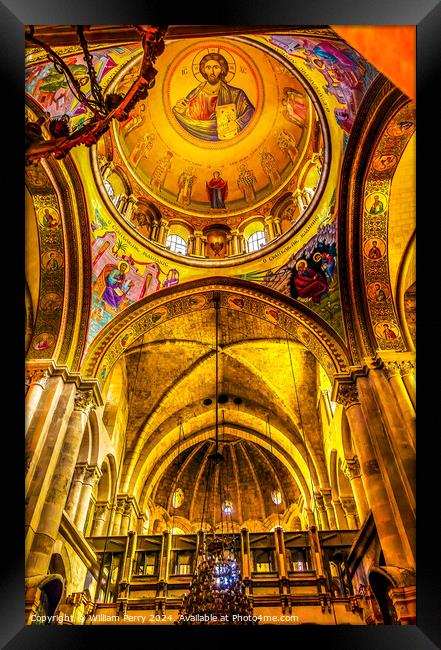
{"x":230,"y":133}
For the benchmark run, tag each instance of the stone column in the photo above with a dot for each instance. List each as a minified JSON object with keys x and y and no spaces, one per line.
{"x":392,"y":370}
{"x":203,"y":246}
{"x":352,"y":470}
{"x":298,"y":198}
{"x":36,"y":382}
{"x":241,"y":243}
{"x":269,"y":223}
{"x":130,"y":206}
{"x":154,"y":231}
{"x":375,"y":489}
{"x":75,"y":490}
{"x":190,"y":245}
{"x":407,"y":372}
{"x":50,"y":519}
{"x":198,"y":243}
{"x":101,"y":512}
{"x":322,"y":511}
{"x":350,"y":510}
{"x":327,"y":498}
{"x":229,"y":251}
{"x":125,"y":521}
{"x":277,"y":226}
{"x":234,"y":242}
{"x":339,"y":514}
{"x":163,"y":229}
{"x":118,"y":516}
{"x":91,"y":476}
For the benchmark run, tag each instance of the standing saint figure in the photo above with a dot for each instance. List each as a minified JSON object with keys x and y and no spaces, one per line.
{"x":245,"y":182}
{"x":141,"y":149}
{"x":288,"y":143}
{"x":217,"y":190}
{"x":161,"y":170}
{"x":186,"y":181}
{"x":268,"y":163}
{"x":214,"y":110}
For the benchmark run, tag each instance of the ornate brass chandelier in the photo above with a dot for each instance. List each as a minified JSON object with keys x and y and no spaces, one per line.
{"x":102,"y":109}
{"x":217,"y":594}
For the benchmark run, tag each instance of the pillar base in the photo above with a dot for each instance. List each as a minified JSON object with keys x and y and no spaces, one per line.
{"x":404,"y":601}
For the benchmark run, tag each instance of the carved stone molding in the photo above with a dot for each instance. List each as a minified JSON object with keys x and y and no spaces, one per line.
{"x":38,"y":376}
{"x":84,"y":401}
{"x":347,"y":395}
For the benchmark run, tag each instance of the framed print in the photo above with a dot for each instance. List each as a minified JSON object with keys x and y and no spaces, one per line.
{"x":219,"y":260}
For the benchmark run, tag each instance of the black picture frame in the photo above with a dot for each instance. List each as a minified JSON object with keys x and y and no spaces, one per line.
{"x":426,"y":15}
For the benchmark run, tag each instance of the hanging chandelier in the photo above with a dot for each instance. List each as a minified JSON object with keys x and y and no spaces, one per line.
{"x":217,"y":594}
{"x":102,"y":109}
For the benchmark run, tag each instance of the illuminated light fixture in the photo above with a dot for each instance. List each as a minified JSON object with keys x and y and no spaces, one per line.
{"x":276,"y":496}
{"x":178,"y":498}
{"x":216,"y":595}
{"x":102,"y":109}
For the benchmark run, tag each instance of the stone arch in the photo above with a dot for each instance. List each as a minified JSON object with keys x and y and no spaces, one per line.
{"x":407,"y":281}
{"x":107,"y":482}
{"x":147,"y":480}
{"x":381,"y":103}
{"x":292,"y":317}
{"x":381,"y":583}
{"x":59,"y":188}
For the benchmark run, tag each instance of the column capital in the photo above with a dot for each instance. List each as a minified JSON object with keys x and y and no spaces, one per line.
{"x":351,"y":468}
{"x":392,"y":369}
{"x":38,"y":376}
{"x":100,"y":508}
{"x":348,"y":504}
{"x":84,"y":401}
{"x":407,"y":368}
{"x":92,"y":474}
{"x":319,"y":501}
{"x":79,"y":472}
{"x":347,"y":395}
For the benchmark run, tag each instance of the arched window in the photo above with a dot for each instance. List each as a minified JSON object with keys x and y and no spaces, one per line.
{"x":109,"y":188}
{"x":176,"y":244}
{"x":256,"y":241}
